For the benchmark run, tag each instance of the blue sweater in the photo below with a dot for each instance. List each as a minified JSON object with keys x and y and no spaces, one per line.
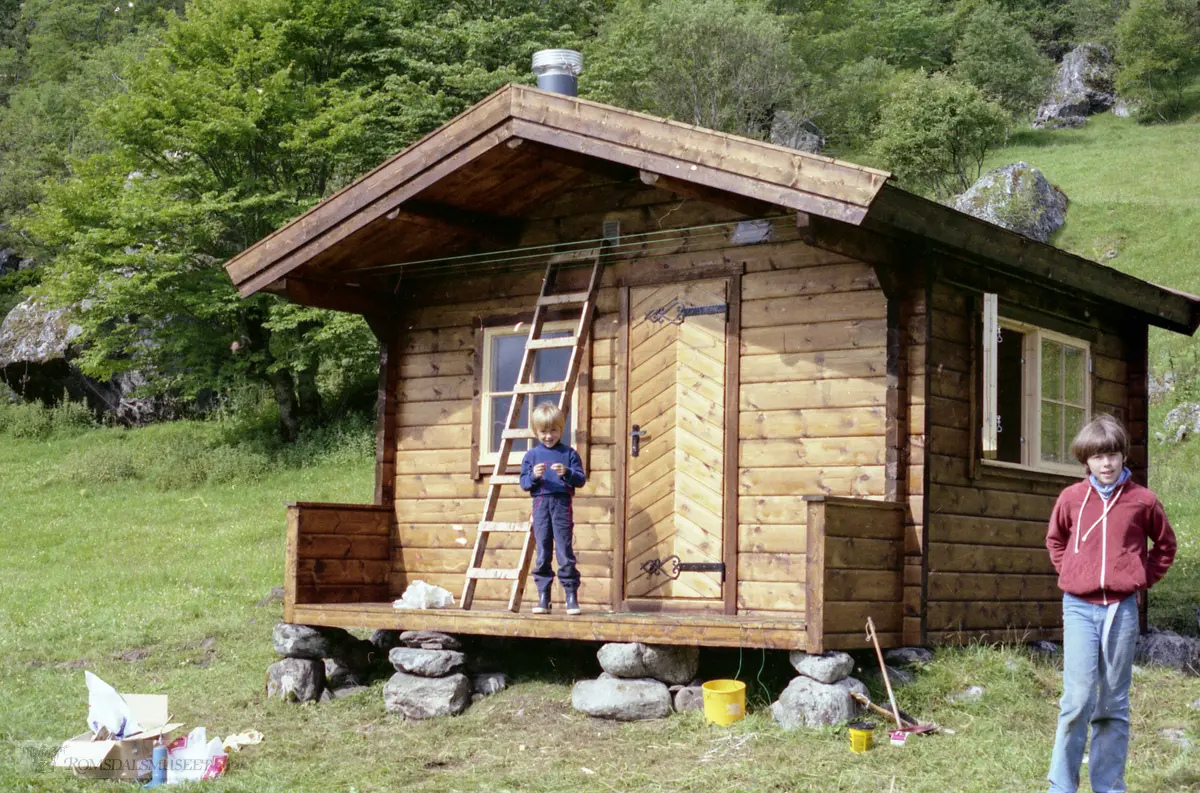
{"x":551,"y":482}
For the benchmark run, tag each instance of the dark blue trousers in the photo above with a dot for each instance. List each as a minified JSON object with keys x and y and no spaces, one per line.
{"x":554,"y":530}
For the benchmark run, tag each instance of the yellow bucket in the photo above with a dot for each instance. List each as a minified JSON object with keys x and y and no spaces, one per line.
{"x":862,"y":736}
{"x":724,"y":701}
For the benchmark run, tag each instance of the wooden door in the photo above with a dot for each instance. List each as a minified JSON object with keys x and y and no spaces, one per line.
{"x":675,"y":484}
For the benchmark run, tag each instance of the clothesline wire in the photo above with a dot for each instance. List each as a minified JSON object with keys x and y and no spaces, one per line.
{"x":537,"y":255}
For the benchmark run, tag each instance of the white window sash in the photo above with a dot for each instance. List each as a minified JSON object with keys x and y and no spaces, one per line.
{"x":991,"y":338}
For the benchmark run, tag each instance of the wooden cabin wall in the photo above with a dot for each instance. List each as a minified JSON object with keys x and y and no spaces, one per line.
{"x":811,"y":413}
{"x":988,"y":568}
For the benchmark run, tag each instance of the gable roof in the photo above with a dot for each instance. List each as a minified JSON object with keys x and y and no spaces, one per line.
{"x":474,"y":179}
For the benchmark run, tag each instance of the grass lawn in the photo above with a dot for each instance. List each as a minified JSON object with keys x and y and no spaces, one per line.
{"x":156,"y":589}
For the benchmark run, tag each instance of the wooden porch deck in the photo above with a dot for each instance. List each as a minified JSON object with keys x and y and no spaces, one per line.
{"x":707,"y":630}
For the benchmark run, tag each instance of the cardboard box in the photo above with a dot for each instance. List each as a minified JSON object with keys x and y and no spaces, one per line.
{"x":126,"y":758}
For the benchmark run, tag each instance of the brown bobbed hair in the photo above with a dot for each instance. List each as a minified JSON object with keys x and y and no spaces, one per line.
{"x":1102,"y":435}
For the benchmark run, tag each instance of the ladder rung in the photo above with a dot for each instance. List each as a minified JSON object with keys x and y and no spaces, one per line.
{"x":566,"y":297}
{"x":539,"y":388}
{"x":547,"y":344}
{"x":492,"y":525}
{"x":481,"y":572}
{"x":583,"y":254}
{"x":506,"y":479}
{"x":517,"y":434}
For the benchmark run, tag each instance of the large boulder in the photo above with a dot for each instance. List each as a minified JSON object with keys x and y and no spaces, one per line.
{"x":827,"y":667}
{"x":807,"y":703}
{"x":35,"y":342}
{"x":620,"y":699}
{"x":1082,"y":86}
{"x":1019,"y":198}
{"x":296,"y":680}
{"x":36,"y":354}
{"x":309,"y":641}
{"x":426,"y":663}
{"x":417,"y":698}
{"x":670,"y":664}
{"x":1167,"y":648}
{"x":796,"y":132}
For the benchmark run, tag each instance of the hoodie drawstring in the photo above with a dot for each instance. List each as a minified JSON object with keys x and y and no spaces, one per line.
{"x":1102,"y":522}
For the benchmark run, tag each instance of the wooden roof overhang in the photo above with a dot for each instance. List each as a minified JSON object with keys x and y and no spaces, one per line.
{"x":469,"y":185}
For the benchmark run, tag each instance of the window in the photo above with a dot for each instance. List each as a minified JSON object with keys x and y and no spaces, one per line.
{"x":1036,"y":392}
{"x":503,"y":348}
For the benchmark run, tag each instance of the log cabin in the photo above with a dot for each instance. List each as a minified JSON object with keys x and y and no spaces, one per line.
{"x":803,"y":395}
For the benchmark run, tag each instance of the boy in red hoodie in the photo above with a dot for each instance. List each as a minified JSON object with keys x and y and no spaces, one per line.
{"x":1097,"y":541}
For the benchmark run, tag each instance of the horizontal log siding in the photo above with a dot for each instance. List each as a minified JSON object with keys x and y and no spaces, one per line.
{"x":812,"y":412}
{"x":337,"y":553}
{"x":989,"y":573}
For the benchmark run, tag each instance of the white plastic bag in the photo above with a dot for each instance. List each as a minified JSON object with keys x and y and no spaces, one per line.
{"x":107,"y":709}
{"x":193,"y":757}
{"x":420,"y":595}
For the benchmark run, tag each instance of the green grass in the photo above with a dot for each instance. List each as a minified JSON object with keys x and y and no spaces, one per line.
{"x":90,"y":573}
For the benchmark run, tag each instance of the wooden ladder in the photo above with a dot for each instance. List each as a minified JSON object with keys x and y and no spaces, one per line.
{"x":523,"y":388}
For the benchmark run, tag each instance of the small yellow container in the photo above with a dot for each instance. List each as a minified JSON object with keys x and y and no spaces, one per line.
{"x":724,"y":701}
{"x":862,"y":735}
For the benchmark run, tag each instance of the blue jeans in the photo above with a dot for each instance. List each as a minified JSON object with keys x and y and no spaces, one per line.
{"x":1096,"y":678}
{"x":554,"y":531}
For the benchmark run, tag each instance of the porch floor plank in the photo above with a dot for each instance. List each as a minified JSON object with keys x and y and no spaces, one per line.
{"x":709,"y":630}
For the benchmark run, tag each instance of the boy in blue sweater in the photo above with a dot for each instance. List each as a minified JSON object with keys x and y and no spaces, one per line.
{"x":550,"y":472}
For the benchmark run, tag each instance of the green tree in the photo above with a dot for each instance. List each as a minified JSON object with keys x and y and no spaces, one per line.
{"x":935,"y":133}
{"x":1158,"y":53}
{"x":852,"y":99}
{"x":1001,"y":59}
{"x":722,"y":64}
{"x":246,"y":114}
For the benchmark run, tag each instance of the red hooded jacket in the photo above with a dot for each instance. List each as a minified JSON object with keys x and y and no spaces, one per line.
{"x":1102,"y":557}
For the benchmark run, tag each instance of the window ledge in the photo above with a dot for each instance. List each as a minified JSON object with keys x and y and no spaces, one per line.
{"x":1019,"y":471}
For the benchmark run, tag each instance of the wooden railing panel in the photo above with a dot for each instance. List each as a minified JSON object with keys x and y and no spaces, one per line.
{"x":336,"y":553}
{"x":855,"y":570}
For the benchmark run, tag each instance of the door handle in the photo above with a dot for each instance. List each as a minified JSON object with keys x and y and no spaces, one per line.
{"x":636,"y":440}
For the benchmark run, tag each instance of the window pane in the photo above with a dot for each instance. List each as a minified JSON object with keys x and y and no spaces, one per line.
{"x":506,"y":360}
{"x":1052,"y":433}
{"x":1010,"y":398}
{"x":550,"y":366}
{"x":500,"y":405}
{"x":1074,"y":372}
{"x":1051,"y":369}
{"x":1073,"y":421}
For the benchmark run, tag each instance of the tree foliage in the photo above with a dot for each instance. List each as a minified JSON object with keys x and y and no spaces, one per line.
{"x":1158,"y":51}
{"x":1000,"y":58}
{"x":722,"y":64}
{"x":936,"y":131}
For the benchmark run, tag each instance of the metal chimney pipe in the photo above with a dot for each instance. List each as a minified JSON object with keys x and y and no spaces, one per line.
{"x":558,"y":70}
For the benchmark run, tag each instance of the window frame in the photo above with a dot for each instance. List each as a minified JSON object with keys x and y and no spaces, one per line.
{"x":483,"y":458}
{"x":1031,"y":389}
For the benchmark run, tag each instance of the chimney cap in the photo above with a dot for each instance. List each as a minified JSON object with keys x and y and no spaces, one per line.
{"x":557,"y":62}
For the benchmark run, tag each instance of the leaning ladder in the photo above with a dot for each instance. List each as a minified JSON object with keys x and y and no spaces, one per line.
{"x":523,"y":388}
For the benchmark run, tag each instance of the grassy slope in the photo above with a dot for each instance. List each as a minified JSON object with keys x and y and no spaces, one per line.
{"x":88,"y":574}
